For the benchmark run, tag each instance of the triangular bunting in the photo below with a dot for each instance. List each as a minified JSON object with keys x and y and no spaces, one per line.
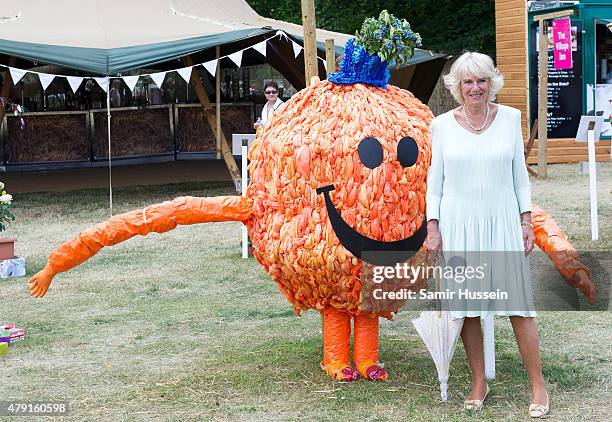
{"x":74,"y":82}
{"x":45,"y":80}
{"x":103,"y":83}
{"x":261,"y":47}
{"x":16,"y":74}
{"x":236,"y":57}
{"x":324,"y":64}
{"x":158,"y":78}
{"x":131,"y":81}
{"x":297,"y":49}
{"x":282,"y":35}
{"x":185,"y":73}
{"x":211,"y":66}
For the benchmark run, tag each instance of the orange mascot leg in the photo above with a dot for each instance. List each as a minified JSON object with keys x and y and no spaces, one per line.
{"x":337,"y":345}
{"x":365,"y":348}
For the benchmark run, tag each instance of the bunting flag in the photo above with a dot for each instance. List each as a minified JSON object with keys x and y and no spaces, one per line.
{"x":74,"y":82}
{"x":324,"y":64}
{"x":158,"y":78}
{"x":131,"y":81}
{"x":211,"y":66}
{"x":16,"y":74}
{"x":45,"y":80}
{"x":236,"y":57}
{"x":297,"y":49}
{"x":261,"y":47}
{"x":103,"y":83}
{"x":185,"y":73}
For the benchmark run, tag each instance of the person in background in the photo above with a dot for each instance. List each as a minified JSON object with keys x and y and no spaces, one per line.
{"x":115,"y":93}
{"x":271,"y":93}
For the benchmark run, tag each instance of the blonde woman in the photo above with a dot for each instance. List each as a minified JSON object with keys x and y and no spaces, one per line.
{"x":479,"y":199}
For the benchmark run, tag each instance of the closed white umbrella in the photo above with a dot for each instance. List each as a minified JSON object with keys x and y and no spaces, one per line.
{"x":439,"y":333}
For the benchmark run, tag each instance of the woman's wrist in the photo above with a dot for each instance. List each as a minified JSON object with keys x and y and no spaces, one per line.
{"x":526,"y":219}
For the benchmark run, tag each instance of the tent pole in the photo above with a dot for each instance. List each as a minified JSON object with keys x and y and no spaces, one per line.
{"x":330,"y":57}
{"x":226,"y":150}
{"x":218,"y":101}
{"x":110,"y":173}
{"x":310,"y":40}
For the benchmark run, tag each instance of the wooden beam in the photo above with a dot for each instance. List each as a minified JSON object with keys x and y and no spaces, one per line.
{"x":529,"y":145}
{"x":330,"y":56}
{"x":553,"y":15}
{"x":310,"y":40}
{"x":226,"y":150}
{"x":542,"y":99}
{"x":218,"y":102}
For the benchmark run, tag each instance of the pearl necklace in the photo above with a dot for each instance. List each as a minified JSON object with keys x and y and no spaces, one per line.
{"x":470,"y":124}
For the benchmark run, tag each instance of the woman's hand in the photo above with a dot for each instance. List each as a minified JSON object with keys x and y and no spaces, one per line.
{"x":433,"y":241}
{"x":528,"y":238}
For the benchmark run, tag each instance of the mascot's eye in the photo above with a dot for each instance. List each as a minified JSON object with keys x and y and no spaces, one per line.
{"x":407,"y":151}
{"x":370,"y":152}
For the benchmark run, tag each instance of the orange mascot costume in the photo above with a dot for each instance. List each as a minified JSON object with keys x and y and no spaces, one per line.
{"x":340,"y":170}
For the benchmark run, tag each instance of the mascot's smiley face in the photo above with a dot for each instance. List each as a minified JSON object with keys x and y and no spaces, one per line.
{"x":340,"y":171}
{"x":381,"y":253}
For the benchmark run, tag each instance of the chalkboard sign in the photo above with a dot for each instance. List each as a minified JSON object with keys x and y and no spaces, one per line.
{"x":564,"y":86}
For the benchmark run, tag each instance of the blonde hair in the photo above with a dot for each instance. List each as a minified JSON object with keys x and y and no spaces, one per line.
{"x":477,"y":64}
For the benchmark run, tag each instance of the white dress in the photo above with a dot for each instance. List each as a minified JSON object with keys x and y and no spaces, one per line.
{"x":477,"y":187}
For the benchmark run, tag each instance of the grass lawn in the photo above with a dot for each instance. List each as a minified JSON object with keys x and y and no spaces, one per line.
{"x":177,"y":326}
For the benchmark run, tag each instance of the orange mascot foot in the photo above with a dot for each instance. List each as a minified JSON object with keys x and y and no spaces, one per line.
{"x":340,"y":371}
{"x":371,"y":371}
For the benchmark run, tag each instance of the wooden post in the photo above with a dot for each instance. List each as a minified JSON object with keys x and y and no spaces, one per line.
{"x":543,"y":101}
{"x":310,"y":40}
{"x":218,"y":102}
{"x":330,"y":56}
{"x":226,"y":150}
{"x":7,"y":84}
{"x":543,"y":87}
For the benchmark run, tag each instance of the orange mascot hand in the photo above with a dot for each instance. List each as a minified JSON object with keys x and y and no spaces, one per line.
{"x":157,"y":218}
{"x":39,"y":283}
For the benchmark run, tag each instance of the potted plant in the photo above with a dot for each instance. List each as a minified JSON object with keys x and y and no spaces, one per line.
{"x":7,"y":244}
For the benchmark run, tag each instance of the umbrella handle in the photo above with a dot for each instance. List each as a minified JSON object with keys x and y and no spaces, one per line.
{"x":444,"y":391}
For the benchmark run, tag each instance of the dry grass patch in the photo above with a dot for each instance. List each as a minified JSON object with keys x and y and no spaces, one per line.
{"x":177,"y":326}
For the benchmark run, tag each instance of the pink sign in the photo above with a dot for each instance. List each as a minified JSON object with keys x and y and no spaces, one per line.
{"x":562,"y":43}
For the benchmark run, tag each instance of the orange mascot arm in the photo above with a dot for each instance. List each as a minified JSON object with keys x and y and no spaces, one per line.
{"x":550,"y":238}
{"x":157,"y":218}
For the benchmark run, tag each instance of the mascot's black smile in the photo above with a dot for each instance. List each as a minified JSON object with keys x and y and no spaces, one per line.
{"x":369,"y":250}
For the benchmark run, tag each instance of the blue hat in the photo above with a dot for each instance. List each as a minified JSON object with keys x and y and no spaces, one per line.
{"x":360,"y":67}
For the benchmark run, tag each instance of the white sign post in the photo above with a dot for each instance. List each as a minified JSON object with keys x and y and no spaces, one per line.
{"x":241,"y":142}
{"x":489,"y":345}
{"x":244,"y":183}
{"x":589,"y":131}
